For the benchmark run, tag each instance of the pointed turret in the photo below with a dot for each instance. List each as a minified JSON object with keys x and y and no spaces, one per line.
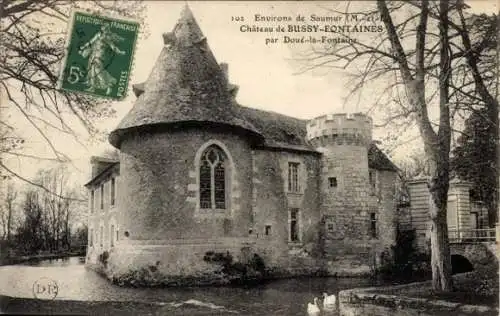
{"x":186,"y":85}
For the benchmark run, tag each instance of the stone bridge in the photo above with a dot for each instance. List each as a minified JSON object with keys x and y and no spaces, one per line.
{"x":479,"y":257}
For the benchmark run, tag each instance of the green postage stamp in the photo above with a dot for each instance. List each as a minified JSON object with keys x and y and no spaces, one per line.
{"x":99,"y":55}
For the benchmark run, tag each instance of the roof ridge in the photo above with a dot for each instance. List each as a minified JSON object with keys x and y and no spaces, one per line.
{"x":274,"y":112}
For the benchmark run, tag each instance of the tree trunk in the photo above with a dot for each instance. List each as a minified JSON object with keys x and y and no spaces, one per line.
{"x":9,"y":220}
{"x":440,"y":162}
{"x":440,"y":248}
{"x":493,"y":205}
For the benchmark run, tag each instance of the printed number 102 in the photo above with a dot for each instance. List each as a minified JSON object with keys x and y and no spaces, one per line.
{"x":237,"y":18}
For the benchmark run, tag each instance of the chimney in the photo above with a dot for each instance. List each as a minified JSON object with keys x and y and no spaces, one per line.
{"x":169,"y":38}
{"x":225,"y":70}
{"x":99,"y":164}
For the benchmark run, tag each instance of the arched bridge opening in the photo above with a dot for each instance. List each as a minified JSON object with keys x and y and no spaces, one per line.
{"x":478,"y":257}
{"x":460,"y":264}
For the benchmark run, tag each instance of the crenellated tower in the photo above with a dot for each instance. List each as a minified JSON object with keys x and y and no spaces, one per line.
{"x":346,"y":194}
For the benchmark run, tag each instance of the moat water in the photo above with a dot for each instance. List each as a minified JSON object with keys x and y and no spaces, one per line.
{"x":75,"y":282}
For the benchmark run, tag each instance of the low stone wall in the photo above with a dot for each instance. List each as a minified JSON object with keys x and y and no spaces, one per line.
{"x":374,"y":302}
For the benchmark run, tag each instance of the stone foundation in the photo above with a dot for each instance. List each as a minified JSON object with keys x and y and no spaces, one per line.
{"x":181,"y":263}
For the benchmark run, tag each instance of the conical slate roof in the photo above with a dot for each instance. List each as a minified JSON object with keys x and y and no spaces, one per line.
{"x":186,"y":85}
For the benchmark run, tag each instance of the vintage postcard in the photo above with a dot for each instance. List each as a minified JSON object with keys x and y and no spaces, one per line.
{"x":249,"y":158}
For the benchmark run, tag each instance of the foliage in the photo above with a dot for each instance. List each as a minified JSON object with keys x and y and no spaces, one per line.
{"x":7,"y":210}
{"x":80,"y":238}
{"x":406,"y":259}
{"x":474,"y":159}
{"x":237,"y":272}
{"x":43,"y":220}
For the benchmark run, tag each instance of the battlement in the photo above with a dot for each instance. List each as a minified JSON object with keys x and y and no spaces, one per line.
{"x":340,"y":129}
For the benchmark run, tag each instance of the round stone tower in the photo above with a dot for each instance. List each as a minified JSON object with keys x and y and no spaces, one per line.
{"x":344,"y":140}
{"x":185,"y":164}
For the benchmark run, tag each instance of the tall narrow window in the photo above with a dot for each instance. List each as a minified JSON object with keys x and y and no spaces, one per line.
{"x":112,"y":235}
{"x":101,"y":236}
{"x":117,"y":234}
{"x":102,"y":196}
{"x":372,"y":175}
{"x":113,"y":191}
{"x":294,"y":225}
{"x":293,"y":177}
{"x":91,"y":238}
{"x":213,"y":175}
{"x":373,"y":225}
{"x":267,"y":230}
{"x":92,"y":197}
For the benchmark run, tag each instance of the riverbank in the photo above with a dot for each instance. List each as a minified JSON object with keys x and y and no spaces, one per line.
{"x":38,"y":257}
{"x":473,"y":295}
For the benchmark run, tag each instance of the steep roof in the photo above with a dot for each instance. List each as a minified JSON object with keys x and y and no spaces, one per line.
{"x":186,"y":85}
{"x":279,"y":130}
{"x":378,"y":160}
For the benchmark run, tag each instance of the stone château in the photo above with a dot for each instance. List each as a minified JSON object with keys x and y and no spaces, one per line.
{"x":198,"y":173}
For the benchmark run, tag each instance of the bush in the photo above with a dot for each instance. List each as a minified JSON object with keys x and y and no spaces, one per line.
{"x":406,"y":259}
{"x":237,"y":272}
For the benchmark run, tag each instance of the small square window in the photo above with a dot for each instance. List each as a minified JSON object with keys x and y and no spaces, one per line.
{"x":332,"y":181}
{"x":268,"y":230}
{"x":330,"y":227}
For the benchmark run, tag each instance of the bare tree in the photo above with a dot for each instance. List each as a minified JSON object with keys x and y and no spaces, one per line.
{"x":9,"y":204}
{"x":414,"y":166}
{"x":427,"y":61}
{"x":8,"y":211}
{"x":32,"y":39}
{"x":57,"y":209}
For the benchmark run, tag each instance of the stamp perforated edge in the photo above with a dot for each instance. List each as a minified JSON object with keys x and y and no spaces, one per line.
{"x":69,"y":31}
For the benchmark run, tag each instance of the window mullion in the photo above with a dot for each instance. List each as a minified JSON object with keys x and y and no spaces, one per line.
{"x":212,"y":186}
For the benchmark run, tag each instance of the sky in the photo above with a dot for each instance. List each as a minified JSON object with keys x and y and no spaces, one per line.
{"x":265,"y":72}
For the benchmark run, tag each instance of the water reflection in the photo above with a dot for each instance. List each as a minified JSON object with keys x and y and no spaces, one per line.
{"x":75,"y":282}
{"x":59,"y":262}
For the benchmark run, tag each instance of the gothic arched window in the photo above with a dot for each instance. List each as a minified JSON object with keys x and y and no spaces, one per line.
{"x":213,"y":173}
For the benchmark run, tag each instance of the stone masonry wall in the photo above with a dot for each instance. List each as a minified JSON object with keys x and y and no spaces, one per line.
{"x":160,"y":187}
{"x":272,"y":203}
{"x":105,"y":217}
{"x":357,"y":204}
{"x":159,"y":204}
{"x":347,"y":207}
